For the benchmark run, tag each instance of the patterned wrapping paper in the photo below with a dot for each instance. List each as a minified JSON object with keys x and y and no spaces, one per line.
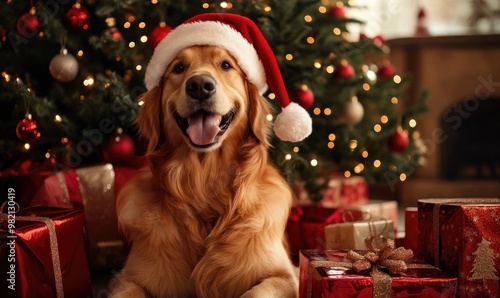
{"x":48,"y":253}
{"x":329,"y":274}
{"x":462,"y":236}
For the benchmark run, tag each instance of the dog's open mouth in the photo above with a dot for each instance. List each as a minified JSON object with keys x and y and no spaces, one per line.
{"x":204,"y":128}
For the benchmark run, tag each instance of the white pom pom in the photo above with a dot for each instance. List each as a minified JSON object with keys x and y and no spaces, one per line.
{"x":293,"y":124}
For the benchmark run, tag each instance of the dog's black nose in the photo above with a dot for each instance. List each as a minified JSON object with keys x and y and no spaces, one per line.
{"x":200,"y":87}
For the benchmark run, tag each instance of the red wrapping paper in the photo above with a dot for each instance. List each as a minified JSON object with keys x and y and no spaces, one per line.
{"x":339,"y":192}
{"x":411,"y":229}
{"x":306,"y":227}
{"x":328,"y":274}
{"x":462,"y":236}
{"x":35,"y":272}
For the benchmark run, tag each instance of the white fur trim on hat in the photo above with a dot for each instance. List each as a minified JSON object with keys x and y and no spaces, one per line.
{"x":206,"y":33}
{"x":293,"y":124}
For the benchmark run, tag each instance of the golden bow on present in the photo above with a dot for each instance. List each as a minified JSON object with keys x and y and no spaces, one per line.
{"x":379,"y":256}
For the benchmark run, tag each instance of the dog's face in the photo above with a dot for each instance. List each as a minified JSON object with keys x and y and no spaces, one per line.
{"x":204,"y":99}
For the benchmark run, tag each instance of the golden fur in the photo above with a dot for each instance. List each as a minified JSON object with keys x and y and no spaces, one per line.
{"x":205,"y":222}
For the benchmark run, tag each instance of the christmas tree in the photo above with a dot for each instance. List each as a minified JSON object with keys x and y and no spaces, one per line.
{"x":72,"y":74}
{"x":484,"y":263}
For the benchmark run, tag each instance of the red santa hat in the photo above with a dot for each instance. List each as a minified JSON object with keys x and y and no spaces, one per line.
{"x":245,"y":42}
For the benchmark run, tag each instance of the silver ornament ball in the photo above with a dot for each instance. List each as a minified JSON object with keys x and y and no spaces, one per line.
{"x":353,"y":111}
{"x":64,"y":67}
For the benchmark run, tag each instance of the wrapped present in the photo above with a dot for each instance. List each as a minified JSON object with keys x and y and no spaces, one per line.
{"x":306,"y":227}
{"x":461,"y":236}
{"x":339,"y":192}
{"x":42,"y":251}
{"x":411,"y":229}
{"x":372,"y":209}
{"x":352,"y":235}
{"x":341,"y":273}
{"x":94,"y":189}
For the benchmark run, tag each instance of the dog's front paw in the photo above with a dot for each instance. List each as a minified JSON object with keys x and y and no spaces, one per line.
{"x":274,"y":287}
{"x":122,"y":288}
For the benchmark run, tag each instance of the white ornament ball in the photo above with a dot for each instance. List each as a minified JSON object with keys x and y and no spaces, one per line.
{"x":64,"y":67}
{"x":353,"y":111}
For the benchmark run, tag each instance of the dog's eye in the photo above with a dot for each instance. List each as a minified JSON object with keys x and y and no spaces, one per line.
{"x":179,"y":68}
{"x":226,"y":65}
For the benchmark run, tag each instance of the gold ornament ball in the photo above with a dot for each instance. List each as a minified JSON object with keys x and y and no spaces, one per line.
{"x":64,"y":67}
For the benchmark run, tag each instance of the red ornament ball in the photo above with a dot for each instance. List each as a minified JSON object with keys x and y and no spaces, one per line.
{"x":379,"y":40}
{"x":78,"y":17}
{"x":158,"y":34}
{"x":120,"y":149}
{"x":386,"y":70}
{"x":345,"y":70}
{"x":27,"y":25}
{"x":398,"y":141}
{"x":27,"y":130}
{"x":304,"y":97}
{"x":338,"y":12}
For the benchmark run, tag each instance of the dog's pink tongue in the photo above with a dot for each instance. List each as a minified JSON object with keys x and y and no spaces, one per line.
{"x":203,"y":128}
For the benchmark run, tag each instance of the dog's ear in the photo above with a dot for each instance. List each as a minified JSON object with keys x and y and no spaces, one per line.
{"x":150,"y":117}
{"x":259,"y":108}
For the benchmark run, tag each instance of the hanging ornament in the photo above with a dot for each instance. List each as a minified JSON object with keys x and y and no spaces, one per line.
{"x":304,"y":97}
{"x":345,"y":70}
{"x":421,"y":29}
{"x":158,"y":33}
{"x":353,"y":111}
{"x":78,"y":17}
{"x":27,"y":130}
{"x":399,"y":140}
{"x":27,"y":24}
{"x":120,"y":149}
{"x":338,"y":11}
{"x":64,"y":66}
{"x":378,"y":40}
{"x":386,"y":69}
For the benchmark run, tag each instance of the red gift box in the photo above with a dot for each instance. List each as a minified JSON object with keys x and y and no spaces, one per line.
{"x":327,"y":273}
{"x":339,"y":192}
{"x":306,"y":227}
{"x":42,"y":250}
{"x":93,"y":189}
{"x":462,"y":237}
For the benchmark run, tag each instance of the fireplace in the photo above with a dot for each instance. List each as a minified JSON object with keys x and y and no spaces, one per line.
{"x":472,"y":146}
{"x":461,"y":128}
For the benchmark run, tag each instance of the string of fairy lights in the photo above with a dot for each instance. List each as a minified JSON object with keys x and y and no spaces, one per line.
{"x":131,"y":21}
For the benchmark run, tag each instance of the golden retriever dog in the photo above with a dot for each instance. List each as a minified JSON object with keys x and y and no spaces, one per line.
{"x":208,"y":218}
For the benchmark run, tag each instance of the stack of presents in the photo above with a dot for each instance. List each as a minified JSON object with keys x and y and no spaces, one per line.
{"x":58,"y":227}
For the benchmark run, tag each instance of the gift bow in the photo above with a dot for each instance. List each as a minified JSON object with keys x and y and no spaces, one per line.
{"x":385,"y":255}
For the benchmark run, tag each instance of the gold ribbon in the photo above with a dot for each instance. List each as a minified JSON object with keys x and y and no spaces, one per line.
{"x":383,"y":256}
{"x":365,"y":217}
{"x":435,"y":217}
{"x":96,"y":185}
{"x":54,"y":248}
{"x":382,"y":282}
